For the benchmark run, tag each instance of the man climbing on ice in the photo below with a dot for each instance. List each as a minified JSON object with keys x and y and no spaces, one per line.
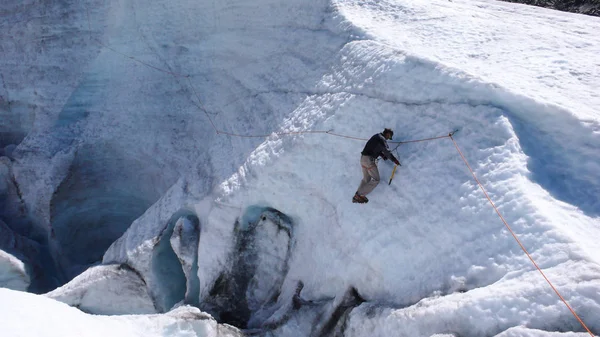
{"x":375,"y":147}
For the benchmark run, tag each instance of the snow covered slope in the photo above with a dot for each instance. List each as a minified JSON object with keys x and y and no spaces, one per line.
{"x":31,"y":315}
{"x":220,"y":143}
{"x":543,"y":54}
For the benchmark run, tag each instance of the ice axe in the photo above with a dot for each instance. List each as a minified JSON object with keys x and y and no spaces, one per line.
{"x":393,"y":172}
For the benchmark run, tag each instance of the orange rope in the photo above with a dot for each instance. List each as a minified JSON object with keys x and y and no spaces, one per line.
{"x":517,"y":239}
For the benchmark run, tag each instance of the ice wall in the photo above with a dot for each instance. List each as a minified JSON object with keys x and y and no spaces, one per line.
{"x":126,"y":102}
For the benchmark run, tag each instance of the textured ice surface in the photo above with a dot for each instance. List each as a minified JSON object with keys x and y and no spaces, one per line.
{"x":13,"y":272}
{"x":106,"y":290}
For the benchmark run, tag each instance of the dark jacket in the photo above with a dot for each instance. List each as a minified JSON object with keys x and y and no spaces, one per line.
{"x":378,"y":146}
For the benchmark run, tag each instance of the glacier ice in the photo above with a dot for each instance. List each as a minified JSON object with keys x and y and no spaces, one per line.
{"x":106,"y":290}
{"x":251,"y":284}
{"x":184,"y":241}
{"x":13,"y":272}
{"x":172,"y":258}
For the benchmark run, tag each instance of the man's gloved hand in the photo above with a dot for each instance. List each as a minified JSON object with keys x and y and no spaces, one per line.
{"x":397,"y":162}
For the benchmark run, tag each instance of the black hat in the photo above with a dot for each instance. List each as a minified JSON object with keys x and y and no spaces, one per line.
{"x":388,"y":130}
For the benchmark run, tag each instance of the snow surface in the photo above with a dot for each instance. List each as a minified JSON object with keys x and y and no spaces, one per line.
{"x":116,"y":149}
{"x":24,"y":314}
{"x":546,"y":55}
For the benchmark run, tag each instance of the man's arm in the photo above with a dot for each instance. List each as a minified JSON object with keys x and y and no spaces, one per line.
{"x":387,"y":154}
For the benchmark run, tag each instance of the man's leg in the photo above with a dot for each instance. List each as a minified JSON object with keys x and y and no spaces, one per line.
{"x":370,"y":175}
{"x":364,"y":181}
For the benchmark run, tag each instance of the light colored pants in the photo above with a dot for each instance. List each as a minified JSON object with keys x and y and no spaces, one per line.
{"x":370,"y":178}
